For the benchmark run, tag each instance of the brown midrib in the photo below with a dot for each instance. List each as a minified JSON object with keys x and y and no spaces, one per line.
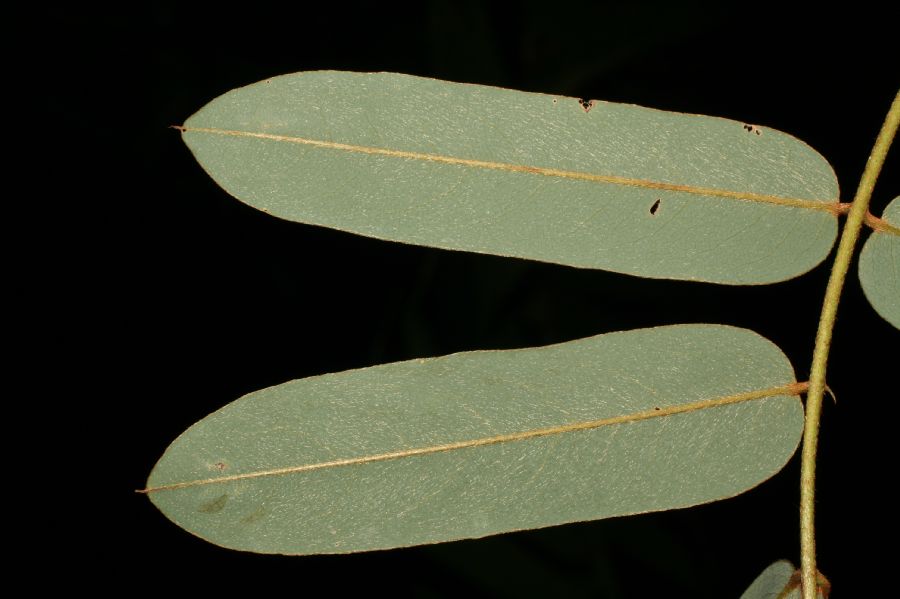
{"x":833,"y":207}
{"x":793,"y":389}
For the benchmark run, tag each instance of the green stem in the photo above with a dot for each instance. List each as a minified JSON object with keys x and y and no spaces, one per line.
{"x":850,"y":234}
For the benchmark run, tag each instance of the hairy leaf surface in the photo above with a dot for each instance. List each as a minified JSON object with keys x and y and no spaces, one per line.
{"x":550,"y":178}
{"x":486,"y":442}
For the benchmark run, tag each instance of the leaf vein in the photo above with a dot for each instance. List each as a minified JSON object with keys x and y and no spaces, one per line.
{"x":833,"y":207}
{"x":792,"y":389}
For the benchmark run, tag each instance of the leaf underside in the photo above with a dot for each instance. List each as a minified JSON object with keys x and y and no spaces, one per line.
{"x":879,"y":267}
{"x":486,"y":442}
{"x":550,"y":178}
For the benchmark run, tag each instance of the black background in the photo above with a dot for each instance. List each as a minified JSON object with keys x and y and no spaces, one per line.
{"x":201,"y":299}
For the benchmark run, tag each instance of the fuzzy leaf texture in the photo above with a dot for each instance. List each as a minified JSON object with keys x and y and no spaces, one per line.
{"x":550,"y":178}
{"x":486,"y":442}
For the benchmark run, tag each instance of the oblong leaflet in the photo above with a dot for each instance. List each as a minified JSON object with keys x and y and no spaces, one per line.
{"x":486,"y":442}
{"x":496,"y":171}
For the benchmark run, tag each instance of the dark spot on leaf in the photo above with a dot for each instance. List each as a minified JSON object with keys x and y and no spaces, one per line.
{"x":220,"y":466}
{"x":254,"y":516}
{"x":653,"y":210}
{"x":586,"y":104}
{"x":216,"y":505}
{"x":752,"y":129}
{"x":656,"y":409}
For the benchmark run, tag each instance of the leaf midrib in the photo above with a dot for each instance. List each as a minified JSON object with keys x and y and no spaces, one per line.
{"x":833,"y":207}
{"x":792,"y":389}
